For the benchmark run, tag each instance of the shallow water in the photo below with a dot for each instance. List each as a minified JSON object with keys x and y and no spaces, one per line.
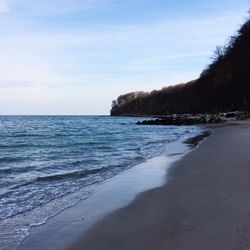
{"x":48,"y":163}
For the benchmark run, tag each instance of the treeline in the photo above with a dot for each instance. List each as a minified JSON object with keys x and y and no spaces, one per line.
{"x":222,"y":87}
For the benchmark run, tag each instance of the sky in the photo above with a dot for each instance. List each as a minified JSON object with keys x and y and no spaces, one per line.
{"x":61,"y":57}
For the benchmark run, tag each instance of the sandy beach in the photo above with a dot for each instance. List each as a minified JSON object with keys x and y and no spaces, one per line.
{"x":204,"y":205}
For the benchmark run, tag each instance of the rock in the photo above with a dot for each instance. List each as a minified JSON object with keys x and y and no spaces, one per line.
{"x":182,"y":120}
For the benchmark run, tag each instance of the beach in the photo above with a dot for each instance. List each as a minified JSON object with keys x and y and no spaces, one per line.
{"x":125,"y":125}
{"x":64,"y":229}
{"x":204,"y":204}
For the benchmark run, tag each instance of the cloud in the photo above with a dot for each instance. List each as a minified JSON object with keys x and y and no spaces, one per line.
{"x":165,"y":48}
{"x":4,"y":7}
{"x":55,"y":67}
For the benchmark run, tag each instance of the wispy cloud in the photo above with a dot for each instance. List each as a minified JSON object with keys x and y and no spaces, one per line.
{"x":165,"y":47}
{"x":62,"y":60}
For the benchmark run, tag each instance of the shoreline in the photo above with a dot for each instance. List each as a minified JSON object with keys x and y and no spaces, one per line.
{"x":113,"y":194}
{"x":204,"y":205}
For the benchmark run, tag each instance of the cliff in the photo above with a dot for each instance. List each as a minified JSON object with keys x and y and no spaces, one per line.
{"x":223,"y":86}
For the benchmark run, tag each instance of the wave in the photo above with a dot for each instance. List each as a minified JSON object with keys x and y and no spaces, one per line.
{"x":65,"y":155}
{"x":54,"y":146}
{"x":48,"y":178}
{"x":23,"y":135}
{"x":82,"y":162}
{"x":16,"y":170}
{"x":71,"y":175}
{"x":11,"y":159}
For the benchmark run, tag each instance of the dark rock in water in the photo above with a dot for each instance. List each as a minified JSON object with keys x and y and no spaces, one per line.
{"x":236,"y":115}
{"x":182,"y":120}
{"x":189,"y":119}
{"x":230,"y":115}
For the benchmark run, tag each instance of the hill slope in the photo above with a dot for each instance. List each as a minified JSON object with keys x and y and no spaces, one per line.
{"x":224,"y":86}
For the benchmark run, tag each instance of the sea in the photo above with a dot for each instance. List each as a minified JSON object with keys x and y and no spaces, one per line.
{"x":51,"y":163}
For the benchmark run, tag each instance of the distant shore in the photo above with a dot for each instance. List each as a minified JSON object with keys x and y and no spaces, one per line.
{"x":204,"y":205}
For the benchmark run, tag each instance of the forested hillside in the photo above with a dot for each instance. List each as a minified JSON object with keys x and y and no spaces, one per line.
{"x":222,"y":87}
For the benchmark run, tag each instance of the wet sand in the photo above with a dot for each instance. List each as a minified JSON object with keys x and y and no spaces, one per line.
{"x":204,"y":205}
{"x":62,"y":230}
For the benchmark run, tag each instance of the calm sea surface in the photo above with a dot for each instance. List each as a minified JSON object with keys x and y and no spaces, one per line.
{"x":48,"y":163}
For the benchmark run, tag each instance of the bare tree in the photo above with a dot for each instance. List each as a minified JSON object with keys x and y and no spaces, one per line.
{"x":218,"y":53}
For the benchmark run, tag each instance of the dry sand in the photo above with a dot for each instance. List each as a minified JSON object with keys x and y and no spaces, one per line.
{"x":204,"y":205}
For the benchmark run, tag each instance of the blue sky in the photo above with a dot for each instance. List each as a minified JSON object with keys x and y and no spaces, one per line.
{"x":75,"y":57}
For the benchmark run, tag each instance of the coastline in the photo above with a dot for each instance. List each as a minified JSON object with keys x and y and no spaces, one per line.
{"x":62,"y":230}
{"x":204,"y":205}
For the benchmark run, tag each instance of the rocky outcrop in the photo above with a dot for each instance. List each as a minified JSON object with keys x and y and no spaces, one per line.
{"x":187,"y":119}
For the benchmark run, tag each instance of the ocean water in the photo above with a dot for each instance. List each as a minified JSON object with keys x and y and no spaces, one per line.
{"x":49,"y":163}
